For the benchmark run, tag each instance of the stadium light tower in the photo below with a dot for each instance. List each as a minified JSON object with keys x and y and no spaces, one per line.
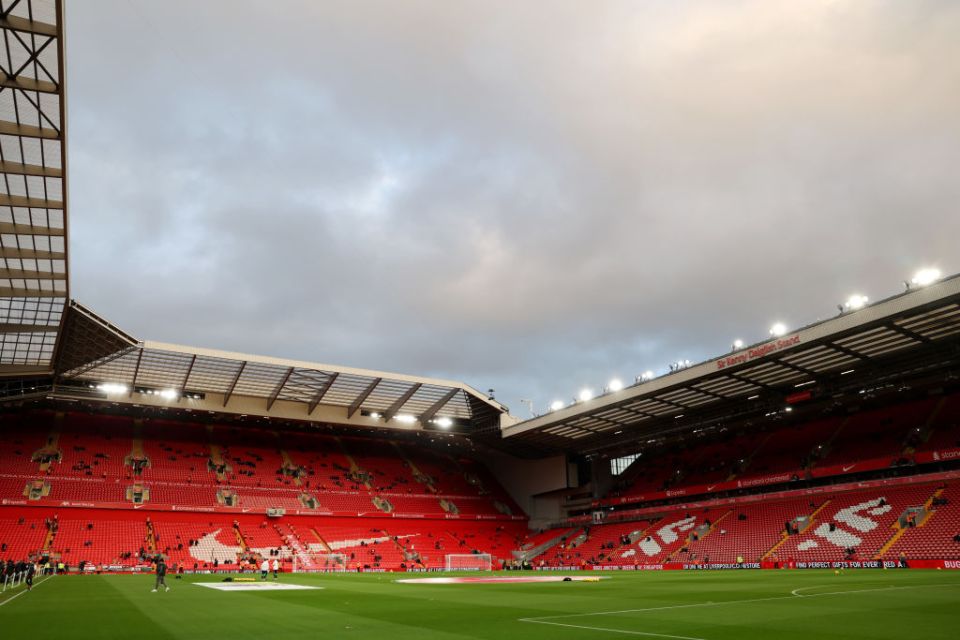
{"x":778,"y":329}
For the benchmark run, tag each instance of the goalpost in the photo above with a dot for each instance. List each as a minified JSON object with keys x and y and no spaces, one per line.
{"x":319,"y":562}
{"x":469,"y":562}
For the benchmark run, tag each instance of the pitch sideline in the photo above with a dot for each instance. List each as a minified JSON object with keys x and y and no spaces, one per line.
{"x":11,"y":599}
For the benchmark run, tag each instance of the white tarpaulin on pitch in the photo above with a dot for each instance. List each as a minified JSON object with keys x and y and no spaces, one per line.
{"x":253,"y":586}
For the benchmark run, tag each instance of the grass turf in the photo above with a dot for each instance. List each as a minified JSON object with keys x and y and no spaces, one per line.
{"x":694,"y":605}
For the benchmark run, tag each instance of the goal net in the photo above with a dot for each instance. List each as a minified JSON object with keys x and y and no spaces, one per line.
{"x":469,"y":562}
{"x":319,"y":562}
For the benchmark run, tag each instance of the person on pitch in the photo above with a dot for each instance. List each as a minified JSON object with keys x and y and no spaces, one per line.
{"x":161,"y":568}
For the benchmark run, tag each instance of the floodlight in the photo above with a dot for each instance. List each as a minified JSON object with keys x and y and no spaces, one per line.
{"x":113,"y":387}
{"x":854,"y":302}
{"x":444,"y":422}
{"x":374,"y":415}
{"x":615,"y":385}
{"x":778,"y":329}
{"x":737,"y":344}
{"x":926,"y":276}
{"x":585,"y":394}
{"x":405,"y":418}
{"x":169,"y":394}
{"x":556,"y":405}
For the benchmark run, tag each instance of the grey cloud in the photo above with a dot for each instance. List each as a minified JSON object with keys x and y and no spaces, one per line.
{"x":525,"y":197}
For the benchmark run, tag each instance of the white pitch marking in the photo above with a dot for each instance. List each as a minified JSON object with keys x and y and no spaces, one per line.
{"x":793,"y":595}
{"x":632,"y":633}
{"x":39,"y":582}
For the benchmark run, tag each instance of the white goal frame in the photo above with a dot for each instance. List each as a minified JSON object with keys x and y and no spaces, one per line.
{"x":468,"y":562}
{"x":320,"y":562}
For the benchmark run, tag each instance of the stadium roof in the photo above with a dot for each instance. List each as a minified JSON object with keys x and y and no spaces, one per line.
{"x":98,"y":361}
{"x":909,"y":334}
{"x":33,"y":210}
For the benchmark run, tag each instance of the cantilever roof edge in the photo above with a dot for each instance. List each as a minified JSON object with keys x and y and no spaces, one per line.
{"x":304,"y":364}
{"x":945,"y":289}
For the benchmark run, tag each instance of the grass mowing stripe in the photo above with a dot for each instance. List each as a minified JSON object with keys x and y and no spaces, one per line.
{"x":721,"y":603}
{"x":356,"y":607}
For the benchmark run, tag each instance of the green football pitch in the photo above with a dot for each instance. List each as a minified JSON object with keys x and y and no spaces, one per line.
{"x":693,"y":605}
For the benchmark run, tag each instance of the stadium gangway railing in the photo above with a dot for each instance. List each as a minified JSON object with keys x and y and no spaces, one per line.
{"x":9,"y":582}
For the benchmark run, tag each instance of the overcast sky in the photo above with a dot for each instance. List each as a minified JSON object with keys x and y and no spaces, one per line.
{"x":530,"y":196}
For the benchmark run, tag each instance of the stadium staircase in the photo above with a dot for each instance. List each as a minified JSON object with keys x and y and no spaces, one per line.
{"x":542,"y":543}
{"x":901,"y":527}
{"x":290,"y":538}
{"x":784,"y":536}
{"x":934,"y":537}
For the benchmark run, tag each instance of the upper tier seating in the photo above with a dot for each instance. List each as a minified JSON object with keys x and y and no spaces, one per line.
{"x":99,"y":459}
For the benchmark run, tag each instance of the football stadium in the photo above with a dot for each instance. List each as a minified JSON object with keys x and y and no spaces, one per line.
{"x":803,"y":484}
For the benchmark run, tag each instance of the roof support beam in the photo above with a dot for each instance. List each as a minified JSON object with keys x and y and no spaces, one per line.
{"x":136,"y":372}
{"x":98,"y":363}
{"x":433,"y":409}
{"x":6,"y":327}
{"x":12,"y":252}
{"x":906,"y":332}
{"x":17,"y":292}
{"x":16,"y":23}
{"x":7,"y":200}
{"x":28,"y":84}
{"x":276,"y":392}
{"x":735,"y":376}
{"x":186,"y":377}
{"x":352,"y":409}
{"x":20,"y":274}
{"x":402,"y":400}
{"x":322,"y":391}
{"x":28,"y":131}
{"x":615,"y":423}
{"x":709,"y":393}
{"x":853,"y":354}
{"x":798,"y":369}
{"x":233,"y":385}
{"x":30,"y":229}
{"x":675,"y":405}
{"x":21,"y":169}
